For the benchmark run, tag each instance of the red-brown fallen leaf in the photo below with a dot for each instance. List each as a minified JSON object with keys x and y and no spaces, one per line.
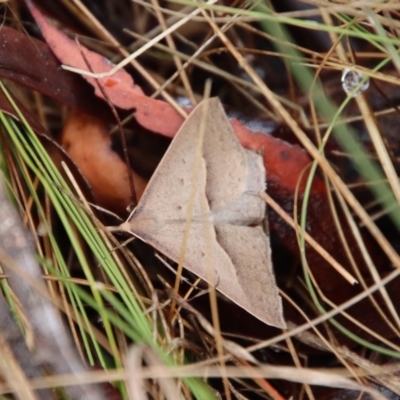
{"x":152,"y":114}
{"x":88,"y":143}
{"x":31,"y":63}
{"x":56,"y":152}
{"x":283,"y":162}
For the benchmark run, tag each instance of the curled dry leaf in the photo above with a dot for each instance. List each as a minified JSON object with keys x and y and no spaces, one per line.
{"x":88,"y":143}
{"x":152,"y":114}
{"x":226,"y":243}
{"x":30,"y":62}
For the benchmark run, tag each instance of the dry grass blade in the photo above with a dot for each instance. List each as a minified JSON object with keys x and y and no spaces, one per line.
{"x":309,"y":376}
{"x":134,"y":361}
{"x":388,"y":167}
{"x":13,"y":374}
{"x":142,"y":49}
{"x":177,"y":60}
{"x":231,"y":347}
{"x":346,"y":275}
{"x":53,"y":345}
{"x":388,"y":379}
{"x":105,"y":34}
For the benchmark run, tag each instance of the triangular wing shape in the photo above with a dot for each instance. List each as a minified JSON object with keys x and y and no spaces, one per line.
{"x":249,"y":250}
{"x":165,"y":230}
{"x":226,"y":201}
{"x":235,"y":176}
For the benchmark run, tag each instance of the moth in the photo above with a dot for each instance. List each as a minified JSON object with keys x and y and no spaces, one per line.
{"x":218,"y":188}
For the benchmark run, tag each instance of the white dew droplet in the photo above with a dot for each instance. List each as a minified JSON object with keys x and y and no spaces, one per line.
{"x":351,"y":80}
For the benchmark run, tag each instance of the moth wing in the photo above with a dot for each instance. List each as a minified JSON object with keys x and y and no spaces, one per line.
{"x":249,"y":250}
